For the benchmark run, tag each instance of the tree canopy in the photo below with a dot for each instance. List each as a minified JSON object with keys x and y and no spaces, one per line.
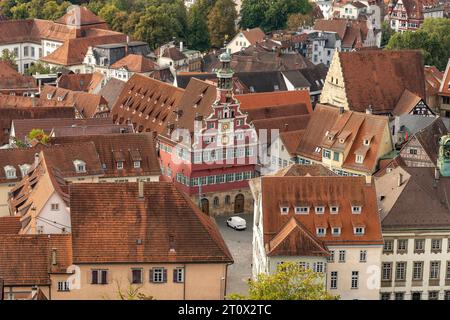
{"x":432,"y":38}
{"x":271,"y":14}
{"x":289,"y":282}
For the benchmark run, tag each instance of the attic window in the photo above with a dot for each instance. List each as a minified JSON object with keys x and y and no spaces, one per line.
{"x":366,"y":142}
{"x":359,"y":158}
{"x":137,"y":164}
{"x":336,"y":231}
{"x":318,"y":149}
{"x":356,"y":209}
{"x":334,"y":209}
{"x":119,"y":165}
{"x":49,"y":96}
{"x":284,"y":210}
{"x":321,"y":232}
{"x":302,"y":210}
{"x":320,"y":209}
{"x":359,"y":230}
{"x":10,"y":172}
{"x":24,"y":169}
{"x":80,"y":166}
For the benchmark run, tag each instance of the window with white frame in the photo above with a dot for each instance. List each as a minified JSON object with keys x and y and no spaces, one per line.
{"x":136,"y":164}
{"x":330,"y":258}
{"x":321,"y":232}
{"x":10,"y":172}
{"x":55,"y":206}
{"x":359,"y":231}
{"x":386,"y":273}
{"x":284,"y":210}
{"x":434,"y":269}
{"x":158,"y":275}
{"x":362,"y":255}
{"x":356,"y":209}
{"x":334,"y":209}
{"x":63,"y":286}
{"x":319,"y":267}
{"x":320,"y":209}
{"x":341,"y":255}
{"x":119,"y":165}
{"x":333,"y":280}
{"x":355,"y":279}
{"x":80,"y":166}
{"x":304,"y":265}
{"x":302,"y":210}
{"x":417,"y":270}
{"x":24,"y":169}
{"x":178,"y":275}
{"x":359,"y":159}
{"x":436,"y":245}
{"x":336,"y":231}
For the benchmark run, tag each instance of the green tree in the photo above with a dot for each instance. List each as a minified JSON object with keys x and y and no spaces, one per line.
{"x":9,"y":57}
{"x":386,"y":33}
{"x":433,"y":39}
{"x":221,"y":22}
{"x":40,"y":68}
{"x":38,"y":135}
{"x":198,"y":35}
{"x":289,"y":282}
{"x":253,"y":13}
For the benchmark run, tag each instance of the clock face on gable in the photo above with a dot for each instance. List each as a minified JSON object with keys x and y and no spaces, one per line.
{"x":225,"y":126}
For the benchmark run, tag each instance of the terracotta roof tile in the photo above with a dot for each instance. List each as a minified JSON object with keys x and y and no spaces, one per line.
{"x":9,"y":225}
{"x":135,"y":63}
{"x":254,"y":35}
{"x":388,"y":72}
{"x":86,"y":82}
{"x":11,"y":80}
{"x":328,"y":190}
{"x":265,"y":99}
{"x":116,"y":220}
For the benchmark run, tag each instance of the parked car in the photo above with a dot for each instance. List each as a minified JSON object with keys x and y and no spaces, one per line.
{"x":237,"y":223}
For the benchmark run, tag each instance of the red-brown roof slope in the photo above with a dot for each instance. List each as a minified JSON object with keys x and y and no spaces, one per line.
{"x":121,"y":147}
{"x":147,"y":103}
{"x":9,"y":225}
{"x":25,"y":260}
{"x":86,"y":82}
{"x":11,"y":80}
{"x":254,"y":35}
{"x":135,"y":63}
{"x":266,"y":99}
{"x":343,"y":192}
{"x":389,"y":73}
{"x":73,"y":51}
{"x":81,"y":16}
{"x":163,"y":226}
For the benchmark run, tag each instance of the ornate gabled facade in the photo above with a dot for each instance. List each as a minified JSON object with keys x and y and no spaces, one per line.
{"x":209,"y":149}
{"x":444,"y":155}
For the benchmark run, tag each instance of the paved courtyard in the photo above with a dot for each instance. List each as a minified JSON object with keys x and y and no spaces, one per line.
{"x":240,"y":245}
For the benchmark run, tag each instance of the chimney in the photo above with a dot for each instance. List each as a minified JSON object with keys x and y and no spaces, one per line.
{"x":399,"y":180}
{"x":341,"y":110}
{"x":181,"y":46}
{"x":54,"y":260}
{"x":141,"y":188}
{"x":33,"y":101}
{"x":436,"y":174}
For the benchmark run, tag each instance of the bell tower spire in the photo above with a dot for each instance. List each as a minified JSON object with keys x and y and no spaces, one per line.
{"x":225,"y":78}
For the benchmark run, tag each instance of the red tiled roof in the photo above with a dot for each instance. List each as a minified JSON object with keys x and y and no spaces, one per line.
{"x":12,"y":80}
{"x":325,"y":191}
{"x":117,"y":220}
{"x":86,"y":82}
{"x":389,"y":74}
{"x":125,"y":144}
{"x":254,"y":35}
{"x":73,"y":51}
{"x":80,"y":16}
{"x":25,"y":260}
{"x":135,"y":63}
{"x":9,"y":225}
{"x":444,"y":90}
{"x":265,"y":99}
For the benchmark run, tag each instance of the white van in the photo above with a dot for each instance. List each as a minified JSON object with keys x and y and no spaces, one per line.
{"x":237,"y":223}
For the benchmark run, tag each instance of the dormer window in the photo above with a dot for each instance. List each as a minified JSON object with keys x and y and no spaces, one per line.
{"x":327,"y":154}
{"x":359,"y":158}
{"x":49,"y":96}
{"x":335,"y":231}
{"x":320,"y":209}
{"x":359,"y":231}
{"x":80,"y":166}
{"x":320,"y":232}
{"x":24,"y":169}
{"x":356,"y":209}
{"x":10,"y":172}
{"x":137,"y":164}
{"x":334,"y":209}
{"x":366,"y":142}
{"x":120,"y":165}
{"x":284,"y":210}
{"x":318,"y":149}
{"x":301,"y":210}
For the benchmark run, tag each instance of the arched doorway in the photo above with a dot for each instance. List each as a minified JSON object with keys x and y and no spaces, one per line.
{"x":239,"y":203}
{"x":205,"y":205}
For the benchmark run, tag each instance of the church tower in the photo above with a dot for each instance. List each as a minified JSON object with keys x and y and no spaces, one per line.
{"x":444,"y":156}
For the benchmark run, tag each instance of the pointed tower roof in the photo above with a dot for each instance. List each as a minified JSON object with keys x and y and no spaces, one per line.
{"x":80,"y":16}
